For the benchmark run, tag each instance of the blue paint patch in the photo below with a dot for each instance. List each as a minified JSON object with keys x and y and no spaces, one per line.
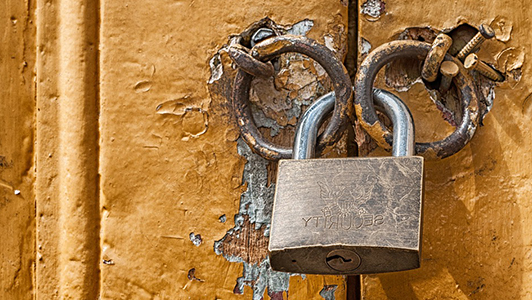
{"x":257,"y":201}
{"x":328,"y":291}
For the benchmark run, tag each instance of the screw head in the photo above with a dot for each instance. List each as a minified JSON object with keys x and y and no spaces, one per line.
{"x":260,"y":35}
{"x":343,"y":260}
{"x":486,"y":31}
{"x":471,"y":61}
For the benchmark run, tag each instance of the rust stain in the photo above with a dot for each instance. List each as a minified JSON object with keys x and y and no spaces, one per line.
{"x":374,"y":130}
{"x":432,"y":63}
{"x":277,"y":295}
{"x":322,"y":55}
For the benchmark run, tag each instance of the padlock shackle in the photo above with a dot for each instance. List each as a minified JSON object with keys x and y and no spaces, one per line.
{"x":403,"y":125}
{"x":306,"y":135}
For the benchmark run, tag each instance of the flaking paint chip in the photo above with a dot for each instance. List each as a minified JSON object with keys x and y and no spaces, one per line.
{"x":195,"y":239}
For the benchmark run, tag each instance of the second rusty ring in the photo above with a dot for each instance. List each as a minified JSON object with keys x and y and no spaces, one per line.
{"x":269,"y":49}
{"x":367,"y":115}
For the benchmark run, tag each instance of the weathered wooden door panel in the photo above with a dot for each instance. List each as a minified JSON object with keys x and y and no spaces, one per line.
{"x":17,"y":105}
{"x":122,"y":175}
{"x":171,"y":172}
{"x":476,"y":242}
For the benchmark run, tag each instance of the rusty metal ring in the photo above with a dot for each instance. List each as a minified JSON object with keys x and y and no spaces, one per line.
{"x":367,"y":116}
{"x":269,"y":49}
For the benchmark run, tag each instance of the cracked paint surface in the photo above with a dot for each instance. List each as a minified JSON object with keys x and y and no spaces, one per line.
{"x":255,"y":214}
{"x":276,"y":105}
{"x":171,"y":162}
{"x":156,"y":187}
{"x":162,"y":146}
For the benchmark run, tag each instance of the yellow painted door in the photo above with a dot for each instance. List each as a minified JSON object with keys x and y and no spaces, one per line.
{"x":143,"y":189}
{"x":122,"y":174}
{"x":476,"y":242}
{"x":17,"y":102}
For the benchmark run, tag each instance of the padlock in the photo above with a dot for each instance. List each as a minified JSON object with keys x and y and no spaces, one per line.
{"x":349,"y":215}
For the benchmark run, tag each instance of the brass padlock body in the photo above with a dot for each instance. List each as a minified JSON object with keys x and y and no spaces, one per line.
{"x":369,"y":207}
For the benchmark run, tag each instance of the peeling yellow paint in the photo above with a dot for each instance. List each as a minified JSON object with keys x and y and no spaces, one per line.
{"x":195,"y":174}
{"x":510,"y":59}
{"x":164,"y":177}
{"x":502,"y":27}
{"x":135,"y":163}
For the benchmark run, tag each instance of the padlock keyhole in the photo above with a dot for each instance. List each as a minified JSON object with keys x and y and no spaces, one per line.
{"x":342,"y":260}
{"x":339,"y":257}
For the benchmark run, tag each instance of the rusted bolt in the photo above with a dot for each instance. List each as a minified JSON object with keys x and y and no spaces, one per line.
{"x":432,"y":63}
{"x":343,"y":260}
{"x":448,"y":71}
{"x":473,"y":63}
{"x":484,"y":32}
{"x":260,"y":35}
